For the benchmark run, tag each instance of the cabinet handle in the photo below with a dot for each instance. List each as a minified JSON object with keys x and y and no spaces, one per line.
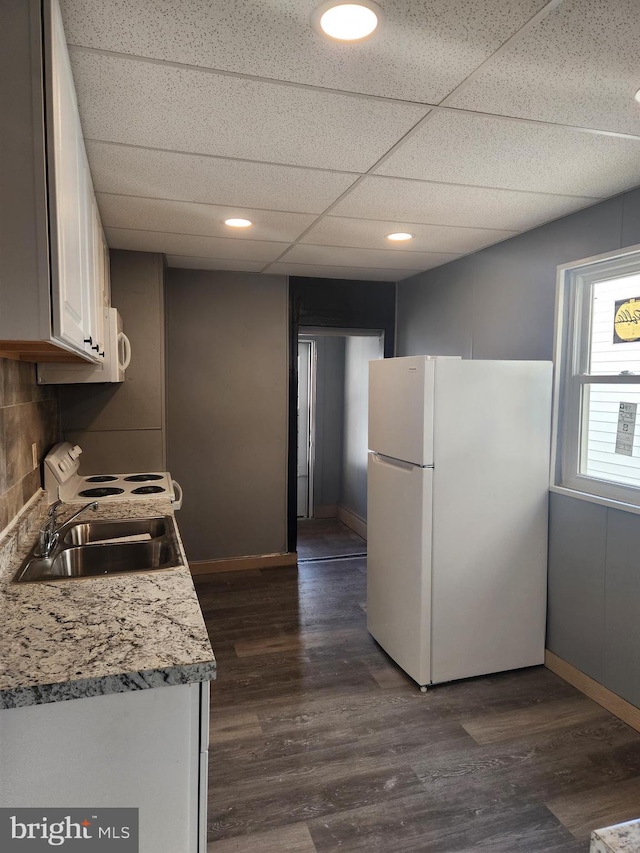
{"x":88,"y":340}
{"x":96,"y":347}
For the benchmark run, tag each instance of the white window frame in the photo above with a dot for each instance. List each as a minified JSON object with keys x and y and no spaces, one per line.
{"x":572,"y":379}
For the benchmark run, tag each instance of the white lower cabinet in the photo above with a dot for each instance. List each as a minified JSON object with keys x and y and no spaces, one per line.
{"x":144,"y":749}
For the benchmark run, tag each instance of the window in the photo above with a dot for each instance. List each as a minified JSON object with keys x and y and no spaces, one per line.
{"x":598,"y":377}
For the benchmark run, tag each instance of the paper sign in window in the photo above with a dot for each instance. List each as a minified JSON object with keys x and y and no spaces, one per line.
{"x":626,"y":428}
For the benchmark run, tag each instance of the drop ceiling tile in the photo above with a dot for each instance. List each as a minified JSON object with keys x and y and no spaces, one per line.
{"x":450,"y":204}
{"x":187,"y":263}
{"x":399,"y":258}
{"x":186,"y":244}
{"x":370,"y":234}
{"x":424,"y":49}
{"x":143,"y":103}
{"x":577,"y":66}
{"x":354,"y":273}
{"x":214,"y":180}
{"x":206,"y":220}
{"x":467,"y":148}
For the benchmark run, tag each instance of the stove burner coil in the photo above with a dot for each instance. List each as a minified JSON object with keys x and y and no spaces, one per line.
{"x":101,"y":492}
{"x":142,"y":478}
{"x":101,"y":478}
{"x":147,"y":490}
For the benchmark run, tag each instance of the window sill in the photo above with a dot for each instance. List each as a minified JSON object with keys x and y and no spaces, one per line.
{"x":595,"y":499}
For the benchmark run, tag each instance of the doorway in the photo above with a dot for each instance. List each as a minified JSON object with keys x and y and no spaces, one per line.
{"x":306,"y":426}
{"x":332,"y":447}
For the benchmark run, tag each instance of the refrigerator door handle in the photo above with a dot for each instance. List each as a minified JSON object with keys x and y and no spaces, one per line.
{"x":394,"y":463}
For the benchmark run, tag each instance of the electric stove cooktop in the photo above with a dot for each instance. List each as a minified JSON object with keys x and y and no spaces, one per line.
{"x":62,"y":481}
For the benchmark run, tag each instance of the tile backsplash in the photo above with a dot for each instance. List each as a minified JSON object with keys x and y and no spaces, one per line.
{"x":28,"y":415}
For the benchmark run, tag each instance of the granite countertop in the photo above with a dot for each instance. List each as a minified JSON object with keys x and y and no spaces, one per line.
{"x":69,"y":639}
{"x":621,"y":838}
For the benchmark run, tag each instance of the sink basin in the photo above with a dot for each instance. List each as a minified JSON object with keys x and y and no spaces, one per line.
{"x":86,"y":532}
{"x":84,"y":550}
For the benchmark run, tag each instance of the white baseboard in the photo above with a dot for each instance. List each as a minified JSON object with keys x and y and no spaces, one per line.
{"x":352,"y":520}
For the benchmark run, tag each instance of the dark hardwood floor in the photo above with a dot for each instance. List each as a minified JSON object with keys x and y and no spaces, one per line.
{"x":319,"y":538}
{"x":320,"y":743}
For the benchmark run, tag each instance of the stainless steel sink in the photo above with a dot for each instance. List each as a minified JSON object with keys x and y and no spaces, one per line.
{"x":85,"y":550}
{"x":87,"y":532}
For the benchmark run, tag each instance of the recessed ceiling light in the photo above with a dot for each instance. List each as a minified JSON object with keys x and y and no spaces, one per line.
{"x":238,"y":223}
{"x":349,"y":22}
{"x":637,"y":95}
{"x":399,"y":236}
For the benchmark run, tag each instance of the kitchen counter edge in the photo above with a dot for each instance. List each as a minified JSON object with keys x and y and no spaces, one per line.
{"x":60,"y":623}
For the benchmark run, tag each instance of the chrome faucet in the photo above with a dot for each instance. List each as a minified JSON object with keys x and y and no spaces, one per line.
{"x":50,"y":533}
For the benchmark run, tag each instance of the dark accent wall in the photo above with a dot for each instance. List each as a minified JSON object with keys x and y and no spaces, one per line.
{"x":28,"y":414}
{"x":340,"y":304}
{"x":500,"y":303}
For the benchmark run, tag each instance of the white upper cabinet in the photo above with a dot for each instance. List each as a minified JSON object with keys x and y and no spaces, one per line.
{"x":54,"y":293}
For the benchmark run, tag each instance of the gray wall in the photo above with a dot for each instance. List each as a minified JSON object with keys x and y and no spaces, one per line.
{"x":227,"y":369}
{"x":359,"y":351}
{"x":28,"y":414}
{"x":594,"y":592}
{"x":329,"y":417}
{"x":120,"y":427}
{"x":500,"y":303}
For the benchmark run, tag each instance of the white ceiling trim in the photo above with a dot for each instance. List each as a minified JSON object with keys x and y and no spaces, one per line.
{"x":238,"y":75}
{"x":184,"y":153}
{"x":323,"y":214}
{"x":506,"y":45}
{"x":241,"y":240}
{"x":442,"y":106}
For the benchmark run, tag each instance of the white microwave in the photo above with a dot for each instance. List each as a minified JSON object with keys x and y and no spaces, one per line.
{"x":117,"y":355}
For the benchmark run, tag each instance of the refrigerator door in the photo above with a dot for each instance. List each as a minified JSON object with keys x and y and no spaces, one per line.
{"x":399,"y":562}
{"x":490,"y":494}
{"x":401,"y":394}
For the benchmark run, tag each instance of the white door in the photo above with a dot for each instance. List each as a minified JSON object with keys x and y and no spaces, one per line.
{"x":399,"y":562}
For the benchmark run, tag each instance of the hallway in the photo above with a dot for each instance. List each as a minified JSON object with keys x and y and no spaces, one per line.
{"x":320,"y":744}
{"x":321,"y":538}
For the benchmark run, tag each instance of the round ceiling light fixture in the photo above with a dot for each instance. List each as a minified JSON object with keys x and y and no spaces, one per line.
{"x":399,"y":236}
{"x":238,"y":223}
{"x":637,"y":96}
{"x":347,"y":22}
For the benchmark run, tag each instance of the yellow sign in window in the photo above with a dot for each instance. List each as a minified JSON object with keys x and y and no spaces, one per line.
{"x":626,"y":323}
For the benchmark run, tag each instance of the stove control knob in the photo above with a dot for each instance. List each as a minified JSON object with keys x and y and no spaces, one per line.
{"x":75,"y":451}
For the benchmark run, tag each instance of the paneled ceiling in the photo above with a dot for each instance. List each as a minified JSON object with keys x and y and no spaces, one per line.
{"x":462,"y":122}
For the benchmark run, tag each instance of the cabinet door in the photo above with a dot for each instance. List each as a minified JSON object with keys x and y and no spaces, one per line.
{"x":95,"y":276}
{"x":68,"y":181}
{"x":106,"y":272}
{"x":74,"y":254}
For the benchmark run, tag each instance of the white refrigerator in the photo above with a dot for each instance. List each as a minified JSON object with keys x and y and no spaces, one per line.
{"x":458,"y":478}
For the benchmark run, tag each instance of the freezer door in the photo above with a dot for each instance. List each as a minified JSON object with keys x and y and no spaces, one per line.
{"x":399,"y":562}
{"x":401,"y":408}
